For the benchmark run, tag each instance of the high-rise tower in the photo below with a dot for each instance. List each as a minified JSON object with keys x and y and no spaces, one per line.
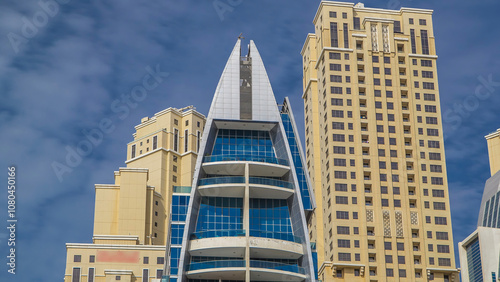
{"x":131,"y":220}
{"x":251,"y":193}
{"x":480,"y":251}
{"x":374,"y":144}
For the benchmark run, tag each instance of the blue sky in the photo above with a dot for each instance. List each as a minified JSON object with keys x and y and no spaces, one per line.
{"x":61,"y":78}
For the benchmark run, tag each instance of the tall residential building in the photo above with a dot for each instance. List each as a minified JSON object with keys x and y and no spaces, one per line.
{"x":374,"y":146}
{"x":131,"y":219}
{"x":480,"y":251}
{"x":251,"y":193}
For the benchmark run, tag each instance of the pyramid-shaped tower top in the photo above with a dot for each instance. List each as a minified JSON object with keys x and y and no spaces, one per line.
{"x":244,"y":91}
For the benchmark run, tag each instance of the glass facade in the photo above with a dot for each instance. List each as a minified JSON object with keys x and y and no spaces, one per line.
{"x":297,"y":161}
{"x":217,"y":214}
{"x":250,"y":143}
{"x":474,"y":262}
{"x":180,"y":201}
{"x":491,"y":216}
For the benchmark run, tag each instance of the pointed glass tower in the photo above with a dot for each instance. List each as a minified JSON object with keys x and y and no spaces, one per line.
{"x":251,"y":194}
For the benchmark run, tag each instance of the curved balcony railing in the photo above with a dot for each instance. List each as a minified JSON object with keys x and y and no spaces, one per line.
{"x":182,"y":189}
{"x":277,"y":266}
{"x":271,"y":182}
{"x":246,"y":158}
{"x":217,"y":233}
{"x":241,"y":180}
{"x":215,"y":264}
{"x":221,"y":180}
{"x":275,"y":235}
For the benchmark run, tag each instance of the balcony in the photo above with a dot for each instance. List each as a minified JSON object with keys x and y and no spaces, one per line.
{"x":275,"y":271}
{"x":234,"y":186}
{"x":235,"y":270}
{"x":275,"y":235}
{"x":235,"y":165}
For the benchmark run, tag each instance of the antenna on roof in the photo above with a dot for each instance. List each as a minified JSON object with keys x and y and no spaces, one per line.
{"x":241,"y":36}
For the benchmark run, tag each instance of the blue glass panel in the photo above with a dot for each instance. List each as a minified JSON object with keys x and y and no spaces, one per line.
{"x":220,"y":214}
{"x":297,"y":161}
{"x":177,"y":234}
{"x":243,"y":143}
{"x":474,"y":262}
{"x":179,"y":207}
{"x":270,"y":218}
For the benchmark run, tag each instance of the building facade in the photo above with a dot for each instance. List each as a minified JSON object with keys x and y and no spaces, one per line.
{"x":251,"y":193}
{"x":132,"y":216}
{"x":374,"y":146}
{"x":480,"y":252}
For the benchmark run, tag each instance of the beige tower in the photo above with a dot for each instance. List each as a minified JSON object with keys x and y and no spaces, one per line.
{"x":131,"y":219}
{"x":374,"y":144}
{"x":493,"y":140}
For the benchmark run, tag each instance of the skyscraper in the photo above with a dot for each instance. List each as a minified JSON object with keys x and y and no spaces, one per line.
{"x":131,"y":219}
{"x":374,"y":146}
{"x":480,"y":251}
{"x":251,"y":194}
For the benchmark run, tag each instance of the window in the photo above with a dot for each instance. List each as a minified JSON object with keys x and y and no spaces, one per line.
{"x":356,"y":23}
{"x":159,"y":273}
{"x":346,"y":36}
{"x":160,"y":260}
{"x":437,"y":193}
{"x":91,"y":275}
{"x":343,"y":230}
{"x":334,"y":56}
{"x":145,"y":275}
{"x":444,"y":262}
{"x":387,"y":60}
{"x":388,"y":94}
{"x":145,"y":260}
{"x":428,"y":74}
{"x":430,"y":109}
{"x":439,"y":220}
{"x":431,"y":120}
{"x":397,"y":203}
{"x":442,"y":235}
{"x":388,"y":82}
{"x":186,"y":140}
{"x":91,"y":258}
{"x":336,"y":90}
{"x":413,"y":41}
{"x":333,"y":14}
{"x":401,"y":260}
{"x":385,"y":202}
{"x":400,"y":246}
{"x":340,"y":187}
{"x":402,"y":273}
{"x":379,"y":116}
{"x":425,"y":42}
{"x":390,"y":117}
{"x":342,"y":243}
{"x":198,"y":141}
{"x":389,"y":272}
{"x":338,"y":125}
{"x":338,"y":150}
{"x":383,"y":190}
{"x":133,"y":151}
{"x":397,"y":27}
{"x":334,"y":35}
{"x":76,"y":274}
{"x":376,"y":70}
{"x":376,"y":81}
{"x":443,"y":249}
{"x":433,"y":144}
{"x":337,"y":114}
{"x":344,"y":257}
{"x":341,"y":200}
{"x":428,"y":85}
{"x":387,"y":71}
{"x":437,"y":180}
{"x":155,"y":142}
{"x":335,"y":78}
{"x":375,"y":59}
{"x":380,"y":128}
{"x":77,"y":258}
{"x":335,"y":67}
{"x":435,"y":156}
{"x":342,"y":215}
{"x":176,"y":139}
{"x":436,"y":168}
